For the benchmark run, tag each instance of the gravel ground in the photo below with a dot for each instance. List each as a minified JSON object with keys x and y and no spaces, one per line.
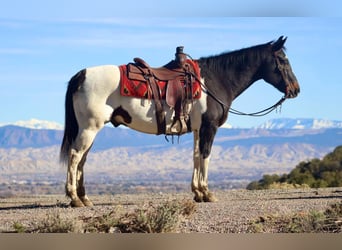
{"x":232,"y":213}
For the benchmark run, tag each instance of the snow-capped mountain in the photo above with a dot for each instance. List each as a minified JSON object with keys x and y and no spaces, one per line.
{"x":36,"y":124}
{"x":301,"y":123}
{"x":280,"y":123}
{"x":238,"y":153}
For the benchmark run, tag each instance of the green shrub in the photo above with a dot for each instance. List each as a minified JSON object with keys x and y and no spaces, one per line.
{"x":315,"y":173}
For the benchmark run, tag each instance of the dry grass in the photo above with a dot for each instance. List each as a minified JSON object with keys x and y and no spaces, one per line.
{"x":329,"y":221}
{"x":55,"y":223}
{"x":149,"y":219}
{"x":285,"y":185}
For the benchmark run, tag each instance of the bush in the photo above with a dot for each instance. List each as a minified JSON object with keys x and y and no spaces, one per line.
{"x":315,"y":173}
{"x":151,"y":219}
{"x":54,"y":223}
{"x":328,"y":221}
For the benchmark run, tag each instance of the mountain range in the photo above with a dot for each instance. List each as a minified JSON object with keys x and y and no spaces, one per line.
{"x":35,"y":124}
{"x":280,"y":123}
{"x":302,"y":123}
{"x":121,"y":154}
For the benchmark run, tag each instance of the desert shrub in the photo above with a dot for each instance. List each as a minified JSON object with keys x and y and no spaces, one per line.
{"x":54,"y":223}
{"x":285,"y":185}
{"x":149,"y":219}
{"x":329,"y":221}
{"x":19,"y":228}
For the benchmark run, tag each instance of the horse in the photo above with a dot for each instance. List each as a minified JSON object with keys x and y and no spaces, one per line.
{"x":93,"y":99}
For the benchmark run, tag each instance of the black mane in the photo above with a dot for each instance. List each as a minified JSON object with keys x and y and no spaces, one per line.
{"x":237,"y":58}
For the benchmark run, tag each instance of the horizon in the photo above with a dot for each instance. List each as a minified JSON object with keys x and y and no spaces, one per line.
{"x":34,"y":123}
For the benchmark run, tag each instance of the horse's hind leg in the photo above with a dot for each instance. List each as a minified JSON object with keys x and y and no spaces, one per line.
{"x":74,"y":184}
{"x":80,"y":181}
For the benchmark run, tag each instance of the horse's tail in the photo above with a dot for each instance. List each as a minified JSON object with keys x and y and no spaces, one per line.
{"x":70,"y":125}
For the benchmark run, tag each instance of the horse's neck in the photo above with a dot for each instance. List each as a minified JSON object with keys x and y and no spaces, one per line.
{"x":240,"y":80}
{"x":233,"y":76}
{"x":241,"y":86}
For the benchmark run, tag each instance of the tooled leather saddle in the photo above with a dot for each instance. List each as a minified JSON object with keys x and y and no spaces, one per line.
{"x":176,"y":84}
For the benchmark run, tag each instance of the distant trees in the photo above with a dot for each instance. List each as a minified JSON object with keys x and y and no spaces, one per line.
{"x":315,"y":173}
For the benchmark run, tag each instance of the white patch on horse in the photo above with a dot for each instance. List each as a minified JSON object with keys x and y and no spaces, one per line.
{"x":199,"y":108}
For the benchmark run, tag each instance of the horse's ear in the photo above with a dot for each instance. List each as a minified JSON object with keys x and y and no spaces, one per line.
{"x":279,"y":44}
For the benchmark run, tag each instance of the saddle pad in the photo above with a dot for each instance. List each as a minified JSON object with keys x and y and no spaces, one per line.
{"x":139,"y":89}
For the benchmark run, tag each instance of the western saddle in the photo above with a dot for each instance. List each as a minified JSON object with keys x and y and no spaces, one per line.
{"x":179,"y":76}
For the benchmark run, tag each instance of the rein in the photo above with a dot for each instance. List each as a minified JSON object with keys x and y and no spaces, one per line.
{"x":236,"y":112}
{"x":262,"y":112}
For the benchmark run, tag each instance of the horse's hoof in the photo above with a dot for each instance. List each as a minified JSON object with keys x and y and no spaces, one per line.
{"x":76,"y":203}
{"x":198,"y":198}
{"x":87,"y":202}
{"x":209,"y":198}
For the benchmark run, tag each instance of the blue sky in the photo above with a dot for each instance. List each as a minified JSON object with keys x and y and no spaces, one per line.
{"x":43,"y":44}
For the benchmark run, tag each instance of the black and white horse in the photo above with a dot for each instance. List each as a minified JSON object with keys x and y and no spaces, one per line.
{"x":93,"y":99}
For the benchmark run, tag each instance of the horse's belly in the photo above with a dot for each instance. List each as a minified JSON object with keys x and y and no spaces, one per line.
{"x":141,"y":115}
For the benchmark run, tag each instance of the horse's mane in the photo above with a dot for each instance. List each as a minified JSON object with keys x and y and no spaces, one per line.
{"x":237,"y":58}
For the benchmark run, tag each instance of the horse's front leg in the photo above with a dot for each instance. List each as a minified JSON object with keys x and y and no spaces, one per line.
{"x":199,"y":183}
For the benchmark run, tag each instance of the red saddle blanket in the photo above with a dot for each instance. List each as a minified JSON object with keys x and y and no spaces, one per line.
{"x":139,"y":89}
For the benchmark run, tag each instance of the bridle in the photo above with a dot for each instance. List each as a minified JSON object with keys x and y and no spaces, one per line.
{"x":263,"y":112}
{"x":283,"y":71}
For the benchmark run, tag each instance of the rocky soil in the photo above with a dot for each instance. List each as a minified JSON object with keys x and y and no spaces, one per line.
{"x":234,"y":212}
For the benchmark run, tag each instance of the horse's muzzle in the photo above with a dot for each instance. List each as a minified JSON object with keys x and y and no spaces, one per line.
{"x":292,"y":90}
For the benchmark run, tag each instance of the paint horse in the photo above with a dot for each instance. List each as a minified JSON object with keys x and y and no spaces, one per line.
{"x":93,"y":99}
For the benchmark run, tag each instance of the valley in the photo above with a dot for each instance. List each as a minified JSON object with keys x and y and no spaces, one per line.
{"x":123,"y":160}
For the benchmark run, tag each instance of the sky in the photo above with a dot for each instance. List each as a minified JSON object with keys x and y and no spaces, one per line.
{"x":43,"y":44}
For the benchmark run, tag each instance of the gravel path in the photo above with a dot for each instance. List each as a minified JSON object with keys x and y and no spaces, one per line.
{"x":232,"y":213}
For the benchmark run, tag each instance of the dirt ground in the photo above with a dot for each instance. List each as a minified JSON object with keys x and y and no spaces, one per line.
{"x":234,"y":211}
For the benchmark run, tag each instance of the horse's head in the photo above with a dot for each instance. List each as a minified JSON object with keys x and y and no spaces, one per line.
{"x":278,"y":72}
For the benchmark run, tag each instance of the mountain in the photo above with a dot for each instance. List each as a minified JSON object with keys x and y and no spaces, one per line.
{"x":121,"y":154}
{"x":36,"y":124}
{"x":301,"y":123}
{"x":280,"y":123}
{"x":20,"y":137}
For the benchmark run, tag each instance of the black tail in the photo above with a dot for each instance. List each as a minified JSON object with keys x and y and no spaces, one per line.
{"x":70,"y":124}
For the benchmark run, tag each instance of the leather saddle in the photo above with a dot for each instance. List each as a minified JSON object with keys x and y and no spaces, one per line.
{"x":178,"y":76}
